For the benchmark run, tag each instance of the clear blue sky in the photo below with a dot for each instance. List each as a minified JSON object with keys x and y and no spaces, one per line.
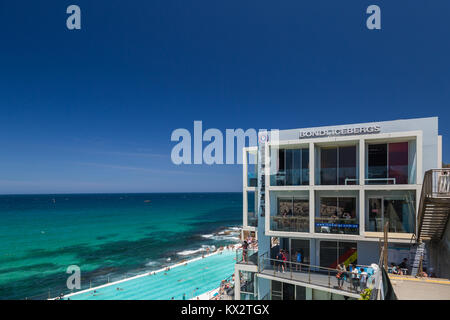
{"x":93,"y":110}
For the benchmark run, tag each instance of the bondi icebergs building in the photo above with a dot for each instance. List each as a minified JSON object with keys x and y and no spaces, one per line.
{"x":328,"y":194}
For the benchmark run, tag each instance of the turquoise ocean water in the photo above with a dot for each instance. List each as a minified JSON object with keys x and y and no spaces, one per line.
{"x":109,"y":236}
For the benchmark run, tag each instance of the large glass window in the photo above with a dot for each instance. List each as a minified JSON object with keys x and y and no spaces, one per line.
{"x":398,"y":162}
{"x":334,"y":252}
{"x":292,"y":215}
{"x":292,"y":168}
{"x":337,"y":215}
{"x":328,"y":166}
{"x":398,"y":211}
{"x":302,"y":247}
{"x":388,"y":163}
{"x":338,"y":165}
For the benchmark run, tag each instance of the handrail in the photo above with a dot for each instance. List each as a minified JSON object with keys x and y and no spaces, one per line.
{"x":436,"y":182}
{"x":314,"y":274}
{"x":240,"y":254}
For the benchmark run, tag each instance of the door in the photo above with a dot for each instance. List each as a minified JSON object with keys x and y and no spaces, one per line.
{"x":375,"y":215}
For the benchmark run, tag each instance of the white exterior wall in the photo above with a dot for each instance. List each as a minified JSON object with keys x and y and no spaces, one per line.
{"x":425,"y":153}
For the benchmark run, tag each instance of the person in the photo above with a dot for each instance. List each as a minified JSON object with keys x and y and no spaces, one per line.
{"x":394,"y":268}
{"x":278,"y":261}
{"x":363,"y":279}
{"x":244,"y":251}
{"x":355,"y":278}
{"x":299,"y":260}
{"x":184,"y":296}
{"x":341,"y":274}
{"x":403,"y":264}
{"x":284,"y":258}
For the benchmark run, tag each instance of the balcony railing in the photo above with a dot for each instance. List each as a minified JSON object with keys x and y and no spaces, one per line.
{"x":293,"y":177}
{"x":315,"y":275}
{"x":336,"y":225}
{"x":289,"y":223}
{"x":433,"y":213}
{"x":247,"y":256}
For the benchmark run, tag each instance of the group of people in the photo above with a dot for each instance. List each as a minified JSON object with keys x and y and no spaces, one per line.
{"x":401,"y":268}
{"x":283,"y":257}
{"x":357,"y":276}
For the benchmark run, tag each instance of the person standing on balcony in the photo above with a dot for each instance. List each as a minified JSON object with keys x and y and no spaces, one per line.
{"x":363,"y":280}
{"x":355,"y":278}
{"x":244,"y":251}
{"x":299,"y":261}
{"x":341,"y":274}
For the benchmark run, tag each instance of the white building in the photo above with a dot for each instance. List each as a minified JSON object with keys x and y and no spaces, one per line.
{"x":327,"y":193}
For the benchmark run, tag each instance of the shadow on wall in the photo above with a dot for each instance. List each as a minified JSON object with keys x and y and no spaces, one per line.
{"x":440,"y":255}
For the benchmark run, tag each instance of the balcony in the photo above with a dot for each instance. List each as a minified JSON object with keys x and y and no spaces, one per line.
{"x":289,"y":223}
{"x":247,"y":256}
{"x":313,"y":275}
{"x":336,"y":225}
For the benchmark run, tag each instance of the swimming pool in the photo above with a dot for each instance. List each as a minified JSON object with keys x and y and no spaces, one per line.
{"x":197,"y":277}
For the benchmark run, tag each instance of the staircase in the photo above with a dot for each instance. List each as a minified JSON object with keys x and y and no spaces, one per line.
{"x":434,"y":207}
{"x":416,"y":255}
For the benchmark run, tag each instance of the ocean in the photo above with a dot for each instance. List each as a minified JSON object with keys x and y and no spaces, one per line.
{"x":109,"y":236}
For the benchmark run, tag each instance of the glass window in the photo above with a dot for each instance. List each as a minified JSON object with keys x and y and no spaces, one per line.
{"x":400,"y":214}
{"x":328,"y":166}
{"x":305,"y":167}
{"x":292,"y":168}
{"x":277,"y":293}
{"x":388,"y":163}
{"x":334,"y":252}
{"x":398,"y":211}
{"x":398,"y":162}
{"x":302,"y":247}
{"x":300,"y":293}
{"x":338,"y":165}
{"x":292,"y":215}
{"x":288,"y":291}
{"x":337,"y":215}
{"x":347,"y":165}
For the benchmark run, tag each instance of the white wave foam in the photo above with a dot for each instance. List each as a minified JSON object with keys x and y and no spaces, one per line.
{"x":190,"y":252}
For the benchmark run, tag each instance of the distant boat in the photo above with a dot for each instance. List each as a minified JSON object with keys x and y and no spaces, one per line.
{"x":147,"y":201}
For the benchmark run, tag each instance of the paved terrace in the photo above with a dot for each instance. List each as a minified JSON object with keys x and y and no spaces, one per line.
{"x":411,"y":288}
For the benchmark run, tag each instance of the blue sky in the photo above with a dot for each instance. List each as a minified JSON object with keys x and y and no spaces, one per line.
{"x":93,"y":110}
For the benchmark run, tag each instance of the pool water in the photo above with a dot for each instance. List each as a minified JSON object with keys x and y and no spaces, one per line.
{"x":193,"y":279}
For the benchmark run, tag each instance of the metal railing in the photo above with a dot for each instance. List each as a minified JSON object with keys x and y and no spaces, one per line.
{"x":247,"y":256}
{"x":436,"y":184}
{"x":316,"y":275}
{"x":289,"y":223}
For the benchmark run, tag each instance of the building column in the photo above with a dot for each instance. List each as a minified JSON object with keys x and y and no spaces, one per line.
{"x":237,"y":284}
{"x":362,"y":211}
{"x":362,"y":162}
{"x":311,"y":190}
{"x":309,"y":293}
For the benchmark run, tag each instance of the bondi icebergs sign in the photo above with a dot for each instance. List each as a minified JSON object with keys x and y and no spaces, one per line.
{"x":345,"y":131}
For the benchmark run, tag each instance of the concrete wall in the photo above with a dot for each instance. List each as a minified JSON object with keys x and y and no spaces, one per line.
{"x":439,"y":254}
{"x":368,"y":252}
